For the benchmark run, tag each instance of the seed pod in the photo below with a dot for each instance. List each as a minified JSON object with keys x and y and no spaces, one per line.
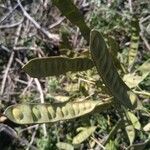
{"x":51,"y":112}
{"x":135,"y":36}
{"x":73,"y":14}
{"x":54,"y":66}
{"x":17,"y":114}
{"x":36,"y":113}
{"x":83,"y":135}
{"x":46,"y":113}
{"x":106,"y":69}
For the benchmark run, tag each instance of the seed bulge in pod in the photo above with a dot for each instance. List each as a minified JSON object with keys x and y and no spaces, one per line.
{"x":59,"y":113}
{"x":70,"y":110}
{"x":81,"y":108}
{"x":51,"y":111}
{"x":18,"y":115}
{"x":65,"y":111}
{"x":88,"y":105}
{"x":76,"y":108}
{"x":36,"y":113}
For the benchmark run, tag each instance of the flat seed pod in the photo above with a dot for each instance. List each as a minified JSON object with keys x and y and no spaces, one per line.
{"x":76,"y":109}
{"x":73,"y":14}
{"x":106,"y":69}
{"x":83,"y":135}
{"x":36,"y":113}
{"x":70,"y":110}
{"x":17,"y":114}
{"x":47,"y":113}
{"x":54,"y":66}
{"x":59,"y":113}
{"x":51,"y":112}
{"x":135,"y":30}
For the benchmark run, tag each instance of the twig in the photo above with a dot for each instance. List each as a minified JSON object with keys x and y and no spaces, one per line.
{"x":5,"y":48}
{"x":33,"y":136}
{"x":6,"y":72}
{"x":25,"y":48}
{"x":29,"y":84}
{"x":145,"y":42}
{"x":144,"y":19}
{"x":42,"y":100}
{"x":142,"y":93}
{"x":142,"y":36}
{"x":56,"y":23}
{"x":54,"y":37}
{"x":10,"y":60}
{"x":21,"y":81}
{"x":28,"y":128}
{"x":130,"y":6}
{"x":11,"y":25}
{"x":8,"y":14}
{"x":96,"y":141}
{"x":17,"y":35}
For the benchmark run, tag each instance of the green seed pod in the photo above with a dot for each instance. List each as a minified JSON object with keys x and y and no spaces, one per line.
{"x":70,"y":110}
{"x":51,"y":112}
{"x":59,"y":113}
{"x":17,"y":114}
{"x":83,"y":135}
{"x":76,"y":108}
{"x":65,"y":111}
{"x":36,"y":113}
{"x":47,"y":113}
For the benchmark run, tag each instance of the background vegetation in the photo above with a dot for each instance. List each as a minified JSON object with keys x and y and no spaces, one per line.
{"x":40,"y":31}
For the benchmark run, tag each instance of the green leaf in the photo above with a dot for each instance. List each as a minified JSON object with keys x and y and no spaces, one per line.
{"x":64,"y":146}
{"x":133,"y":79}
{"x":72,"y":13}
{"x":47,"y":113}
{"x":50,"y":66}
{"x":134,"y":120}
{"x":130,"y":133}
{"x":111,"y":145}
{"x":83,"y":135}
{"x":144,"y":68}
{"x":106,"y":69}
{"x":146,"y":128}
